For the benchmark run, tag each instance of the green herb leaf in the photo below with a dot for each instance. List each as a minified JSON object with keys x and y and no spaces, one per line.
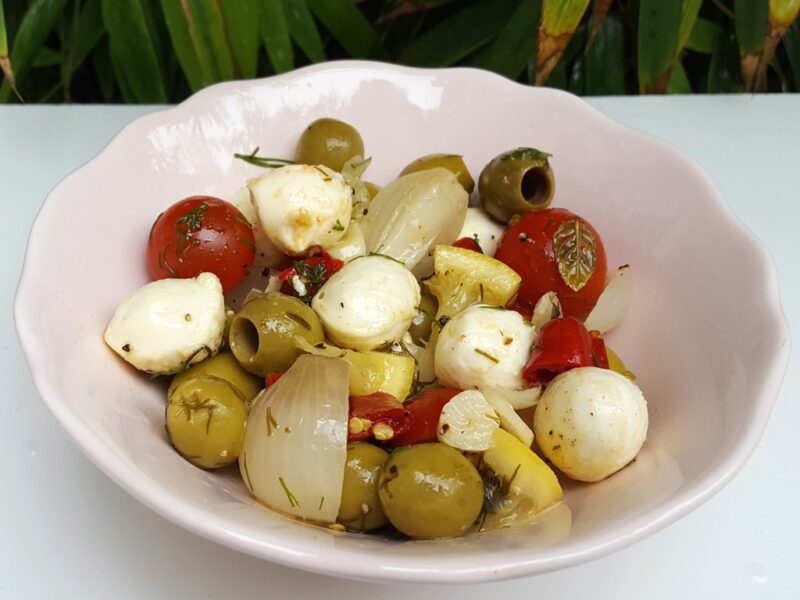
{"x":486,"y":354}
{"x":576,"y":253}
{"x":293,"y":502}
{"x":263,"y":161}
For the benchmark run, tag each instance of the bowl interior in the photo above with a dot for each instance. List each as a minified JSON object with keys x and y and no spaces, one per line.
{"x":707,"y":351}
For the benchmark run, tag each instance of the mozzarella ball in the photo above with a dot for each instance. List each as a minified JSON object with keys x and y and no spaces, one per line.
{"x":590,"y":422}
{"x":169,"y":324}
{"x":302,"y":206}
{"x":368,"y":303}
{"x":483,"y":346}
{"x":479,"y":224}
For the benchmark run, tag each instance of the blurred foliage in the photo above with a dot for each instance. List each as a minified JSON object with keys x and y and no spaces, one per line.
{"x":163,"y":50}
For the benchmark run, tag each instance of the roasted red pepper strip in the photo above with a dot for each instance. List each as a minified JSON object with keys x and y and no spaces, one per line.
{"x":273,"y":377}
{"x":424,"y":417}
{"x":469,"y":244}
{"x":312,"y":274}
{"x":376,"y":410}
{"x":564,"y":344}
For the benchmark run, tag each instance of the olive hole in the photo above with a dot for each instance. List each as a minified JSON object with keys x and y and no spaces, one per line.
{"x":244,"y":339}
{"x":535,"y":186}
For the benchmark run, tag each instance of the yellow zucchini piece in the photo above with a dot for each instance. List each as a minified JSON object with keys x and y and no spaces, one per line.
{"x":526,"y":479}
{"x":462,"y":278}
{"x":380,"y":372}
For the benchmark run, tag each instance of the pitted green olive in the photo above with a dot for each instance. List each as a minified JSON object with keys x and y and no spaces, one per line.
{"x":430,"y":491}
{"x":263,"y":332}
{"x":452,"y":162}
{"x":329,"y":142}
{"x":361,"y":508}
{"x":516,"y":182}
{"x":226,"y":367}
{"x":206,"y":419}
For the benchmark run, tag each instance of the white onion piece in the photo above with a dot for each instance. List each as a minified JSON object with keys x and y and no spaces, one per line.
{"x":351,"y":245}
{"x":518,"y":399}
{"x":413,"y":214}
{"x":468,"y":422}
{"x":509,"y":419}
{"x":547,"y":308}
{"x":296,"y":442}
{"x":612,"y":305}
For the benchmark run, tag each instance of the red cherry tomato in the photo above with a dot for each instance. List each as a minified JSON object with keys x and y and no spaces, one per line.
{"x":201,"y":234}
{"x":563,"y":345}
{"x":424,"y":417}
{"x":540,"y":242}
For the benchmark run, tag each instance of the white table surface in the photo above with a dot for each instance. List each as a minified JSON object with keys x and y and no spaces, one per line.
{"x":66,"y":531}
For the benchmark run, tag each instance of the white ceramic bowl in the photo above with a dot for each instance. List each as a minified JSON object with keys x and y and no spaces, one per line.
{"x":705,"y":334}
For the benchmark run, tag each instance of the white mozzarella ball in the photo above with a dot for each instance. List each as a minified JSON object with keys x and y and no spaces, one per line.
{"x":468,"y":422}
{"x":483,"y":346}
{"x":590,"y":422}
{"x":479,"y":224}
{"x":302,"y":206}
{"x":169,"y":323}
{"x":368,"y":303}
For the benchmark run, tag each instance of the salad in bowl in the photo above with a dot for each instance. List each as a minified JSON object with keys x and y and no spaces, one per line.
{"x":388,"y":358}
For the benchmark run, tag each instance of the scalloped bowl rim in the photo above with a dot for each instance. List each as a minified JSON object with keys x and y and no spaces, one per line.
{"x":327,"y":561}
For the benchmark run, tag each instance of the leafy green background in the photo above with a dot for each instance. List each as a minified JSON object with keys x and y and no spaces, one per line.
{"x":163,"y":50}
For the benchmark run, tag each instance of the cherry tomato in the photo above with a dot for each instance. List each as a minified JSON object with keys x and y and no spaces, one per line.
{"x":557,"y":251}
{"x":469,"y":243}
{"x":201,"y":234}
{"x":563,"y":345}
{"x":424,"y":417}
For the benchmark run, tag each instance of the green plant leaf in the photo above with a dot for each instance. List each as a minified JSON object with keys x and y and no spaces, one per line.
{"x":782,"y":13}
{"x":704,"y":37}
{"x":46,"y":57}
{"x":39,"y":20}
{"x":134,"y":52}
{"x":241,"y":19}
{"x":791,"y":43}
{"x":349,"y":27}
{"x":182,"y":43}
{"x":751,"y":24}
{"x":275,"y":33}
{"x":514,"y":46}
{"x":724,"y":75}
{"x":86,"y":31}
{"x":562,"y":16}
{"x":689,"y":12}
{"x":104,"y":70}
{"x":303,"y":29}
{"x":459,"y":35}
{"x":605,"y":60}
{"x":678,"y":82}
{"x":657,"y":40}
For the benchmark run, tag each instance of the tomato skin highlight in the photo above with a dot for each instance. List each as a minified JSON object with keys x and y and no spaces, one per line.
{"x":424,"y":414}
{"x":201,"y":234}
{"x":528,"y":247}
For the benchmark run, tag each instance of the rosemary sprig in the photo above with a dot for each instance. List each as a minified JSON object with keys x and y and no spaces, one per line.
{"x":263,"y":161}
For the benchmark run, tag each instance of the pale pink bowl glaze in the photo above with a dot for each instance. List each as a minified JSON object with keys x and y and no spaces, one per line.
{"x":705,"y":334}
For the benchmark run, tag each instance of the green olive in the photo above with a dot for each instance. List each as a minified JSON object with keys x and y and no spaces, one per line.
{"x":328,"y":142}
{"x":452,"y":162}
{"x":263,"y":332}
{"x":372,"y":189}
{"x":225,"y":366}
{"x":422,"y":331}
{"x":206,"y":419}
{"x":430,"y":491}
{"x":361,"y":508}
{"x":516,"y":182}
